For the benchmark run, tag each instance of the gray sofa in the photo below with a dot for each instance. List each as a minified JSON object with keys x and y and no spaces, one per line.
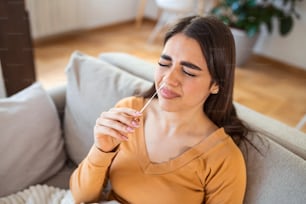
{"x":275,"y":175}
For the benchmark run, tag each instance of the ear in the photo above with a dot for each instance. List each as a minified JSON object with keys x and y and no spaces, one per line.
{"x":214,"y":89}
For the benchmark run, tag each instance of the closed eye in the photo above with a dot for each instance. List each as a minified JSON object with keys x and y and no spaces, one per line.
{"x":189,"y":74}
{"x":163,"y":65}
{"x":183,"y":69}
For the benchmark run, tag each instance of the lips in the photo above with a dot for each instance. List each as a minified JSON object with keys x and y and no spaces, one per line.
{"x":168,"y":94}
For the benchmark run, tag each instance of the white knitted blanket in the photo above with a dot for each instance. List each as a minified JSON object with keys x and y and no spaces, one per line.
{"x":42,"y":194}
{"x":39,"y":194}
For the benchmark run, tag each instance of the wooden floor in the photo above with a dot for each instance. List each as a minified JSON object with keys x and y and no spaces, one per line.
{"x":269,"y":87}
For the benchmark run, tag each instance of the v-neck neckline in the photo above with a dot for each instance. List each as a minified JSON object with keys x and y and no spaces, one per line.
{"x":190,"y":154}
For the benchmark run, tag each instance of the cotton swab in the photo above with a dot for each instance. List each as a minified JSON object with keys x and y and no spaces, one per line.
{"x":149,"y":101}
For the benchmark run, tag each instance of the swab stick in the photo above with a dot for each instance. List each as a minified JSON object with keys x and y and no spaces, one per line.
{"x":149,"y":101}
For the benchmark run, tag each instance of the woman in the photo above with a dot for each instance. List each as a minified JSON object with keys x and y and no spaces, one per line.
{"x":184,"y":147}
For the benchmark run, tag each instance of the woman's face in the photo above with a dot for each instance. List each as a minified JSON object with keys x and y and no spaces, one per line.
{"x":183,"y":69}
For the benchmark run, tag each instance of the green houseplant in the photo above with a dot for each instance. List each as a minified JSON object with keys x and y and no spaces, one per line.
{"x":245,"y":17}
{"x":249,"y":15}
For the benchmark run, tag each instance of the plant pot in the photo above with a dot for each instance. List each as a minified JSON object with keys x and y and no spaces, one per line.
{"x":244,"y":46}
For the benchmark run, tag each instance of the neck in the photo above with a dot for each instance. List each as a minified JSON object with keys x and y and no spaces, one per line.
{"x":176,"y":123}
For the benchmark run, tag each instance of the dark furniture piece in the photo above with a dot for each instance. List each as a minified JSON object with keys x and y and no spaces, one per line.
{"x":16,"y":50}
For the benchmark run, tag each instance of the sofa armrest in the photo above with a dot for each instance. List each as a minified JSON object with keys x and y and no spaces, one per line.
{"x":290,"y":138}
{"x":58,"y":95}
{"x":131,"y":64}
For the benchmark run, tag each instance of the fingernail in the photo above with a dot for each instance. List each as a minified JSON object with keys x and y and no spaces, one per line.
{"x":137,"y":113}
{"x":130,"y":129}
{"x":135,"y":124}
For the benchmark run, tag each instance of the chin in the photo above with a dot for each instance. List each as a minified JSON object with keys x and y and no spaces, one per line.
{"x":168,"y":106}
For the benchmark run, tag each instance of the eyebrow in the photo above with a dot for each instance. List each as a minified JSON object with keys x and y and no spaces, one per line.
{"x":166,"y":57}
{"x":190,"y":65}
{"x":184,"y":63}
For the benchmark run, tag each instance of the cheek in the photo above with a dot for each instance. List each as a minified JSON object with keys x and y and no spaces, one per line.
{"x":157,"y":75}
{"x":198,"y":89}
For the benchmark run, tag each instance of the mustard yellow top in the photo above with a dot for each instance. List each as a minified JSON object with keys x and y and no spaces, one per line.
{"x":212,"y":171}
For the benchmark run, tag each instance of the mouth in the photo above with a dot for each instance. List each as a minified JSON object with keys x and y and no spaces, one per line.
{"x":168,"y":94}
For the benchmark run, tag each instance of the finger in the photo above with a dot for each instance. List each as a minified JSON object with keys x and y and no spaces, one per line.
{"x":123,"y":118}
{"x":116,"y":125}
{"x":102,"y":131}
{"x":127,"y":111}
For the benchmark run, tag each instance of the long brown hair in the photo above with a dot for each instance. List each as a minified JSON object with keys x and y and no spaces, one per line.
{"x":218,"y":47}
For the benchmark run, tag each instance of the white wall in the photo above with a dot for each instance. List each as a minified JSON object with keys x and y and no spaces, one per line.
{"x":50,"y":17}
{"x":105,"y":12}
{"x":290,"y":49}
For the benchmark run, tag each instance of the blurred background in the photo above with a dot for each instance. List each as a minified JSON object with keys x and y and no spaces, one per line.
{"x":38,"y":37}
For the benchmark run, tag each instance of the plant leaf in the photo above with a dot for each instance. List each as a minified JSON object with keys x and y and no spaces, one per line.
{"x":252,"y":30}
{"x":251,"y":2}
{"x":286,"y":24}
{"x":235,"y":6}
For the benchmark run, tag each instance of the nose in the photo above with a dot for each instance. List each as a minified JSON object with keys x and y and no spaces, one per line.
{"x":172,"y":77}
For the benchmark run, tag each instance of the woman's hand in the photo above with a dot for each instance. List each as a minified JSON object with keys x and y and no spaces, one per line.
{"x":113,"y":126}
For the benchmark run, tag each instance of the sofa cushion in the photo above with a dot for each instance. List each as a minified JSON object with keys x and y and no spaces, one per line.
{"x":290,"y":138}
{"x":130,"y":63}
{"x":93,"y":86}
{"x":275,"y":175}
{"x":31,"y":145}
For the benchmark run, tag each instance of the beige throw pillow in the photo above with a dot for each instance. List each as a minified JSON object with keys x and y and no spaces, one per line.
{"x":93,"y":86}
{"x":31,"y":146}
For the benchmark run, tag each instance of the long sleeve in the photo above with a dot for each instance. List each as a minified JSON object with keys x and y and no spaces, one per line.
{"x":86,"y":182}
{"x":226,"y":180}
